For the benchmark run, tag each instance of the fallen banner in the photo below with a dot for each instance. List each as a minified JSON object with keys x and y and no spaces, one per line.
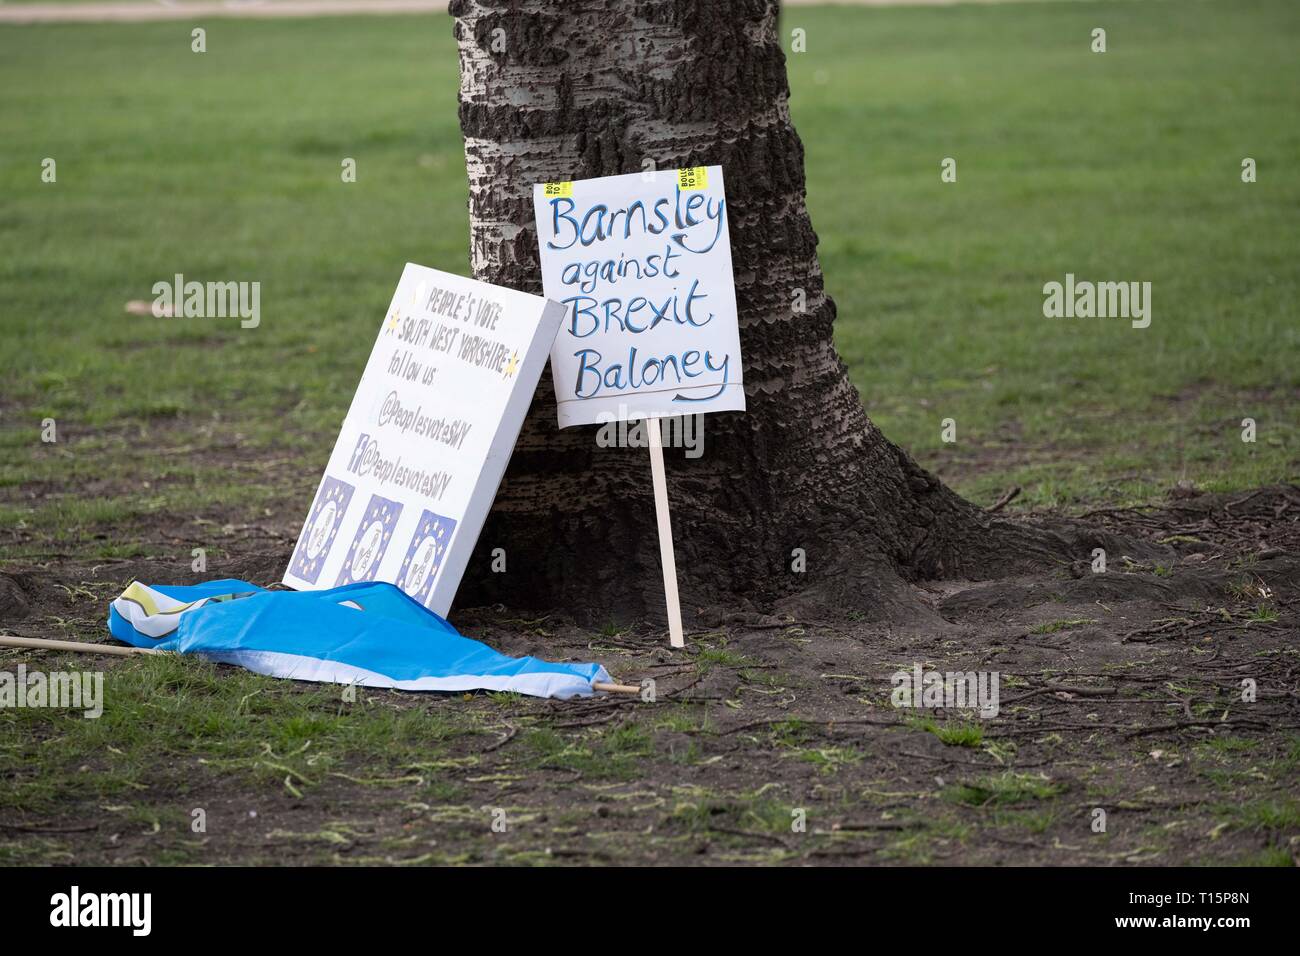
{"x":371,"y":634}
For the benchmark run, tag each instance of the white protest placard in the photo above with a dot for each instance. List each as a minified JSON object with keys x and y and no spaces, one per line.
{"x":427,"y":438}
{"x":642,"y":264}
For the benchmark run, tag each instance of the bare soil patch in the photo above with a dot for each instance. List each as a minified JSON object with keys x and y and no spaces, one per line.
{"x":1120,"y":691}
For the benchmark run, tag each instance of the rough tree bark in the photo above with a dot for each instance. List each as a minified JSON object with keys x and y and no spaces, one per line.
{"x":572,"y":89}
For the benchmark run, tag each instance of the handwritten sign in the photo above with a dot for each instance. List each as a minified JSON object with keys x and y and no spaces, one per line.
{"x":427,"y":438}
{"x":642,"y":264}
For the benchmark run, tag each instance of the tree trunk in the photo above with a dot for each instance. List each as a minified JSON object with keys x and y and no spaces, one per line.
{"x":573,"y":89}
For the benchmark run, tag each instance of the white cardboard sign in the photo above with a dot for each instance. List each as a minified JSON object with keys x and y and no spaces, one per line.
{"x":642,"y":264}
{"x":426,"y":441}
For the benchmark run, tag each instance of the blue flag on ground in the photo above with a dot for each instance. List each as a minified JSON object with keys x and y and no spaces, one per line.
{"x":371,"y":634}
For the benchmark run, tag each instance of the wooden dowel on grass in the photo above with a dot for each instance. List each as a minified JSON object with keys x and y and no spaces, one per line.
{"x":77,"y":646}
{"x":614,"y":688}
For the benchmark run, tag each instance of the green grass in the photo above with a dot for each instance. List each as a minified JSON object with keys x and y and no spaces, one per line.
{"x":614,"y":754}
{"x":225,"y":165}
{"x":1123,"y":165}
{"x":744,"y":812}
{"x":1006,"y":789}
{"x":1266,"y":815}
{"x":1273,"y":856}
{"x":169,"y":712}
{"x":959,"y":733}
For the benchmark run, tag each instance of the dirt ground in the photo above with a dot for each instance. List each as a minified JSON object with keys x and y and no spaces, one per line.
{"x":773,"y":739}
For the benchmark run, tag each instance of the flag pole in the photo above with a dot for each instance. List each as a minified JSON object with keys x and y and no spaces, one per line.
{"x":615,"y":688}
{"x":80,"y":647}
{"x":655,"y":440}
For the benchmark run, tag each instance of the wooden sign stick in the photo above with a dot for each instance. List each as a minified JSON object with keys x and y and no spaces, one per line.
{"x":615,"y":688}
{"x":80,"y":647}
{"x":655,"y":437}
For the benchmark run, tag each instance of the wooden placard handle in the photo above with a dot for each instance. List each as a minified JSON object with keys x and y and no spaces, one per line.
{"x":655,"y":440}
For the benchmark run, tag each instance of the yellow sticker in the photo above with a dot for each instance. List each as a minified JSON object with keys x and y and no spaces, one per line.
{"x":551,"y":190}
{"x":696,"y":177}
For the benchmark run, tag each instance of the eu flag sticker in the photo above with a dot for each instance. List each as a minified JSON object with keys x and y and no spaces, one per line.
{"x":424,"y":556}
{"x":366,"y":552}
{"x":322,"y":526}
